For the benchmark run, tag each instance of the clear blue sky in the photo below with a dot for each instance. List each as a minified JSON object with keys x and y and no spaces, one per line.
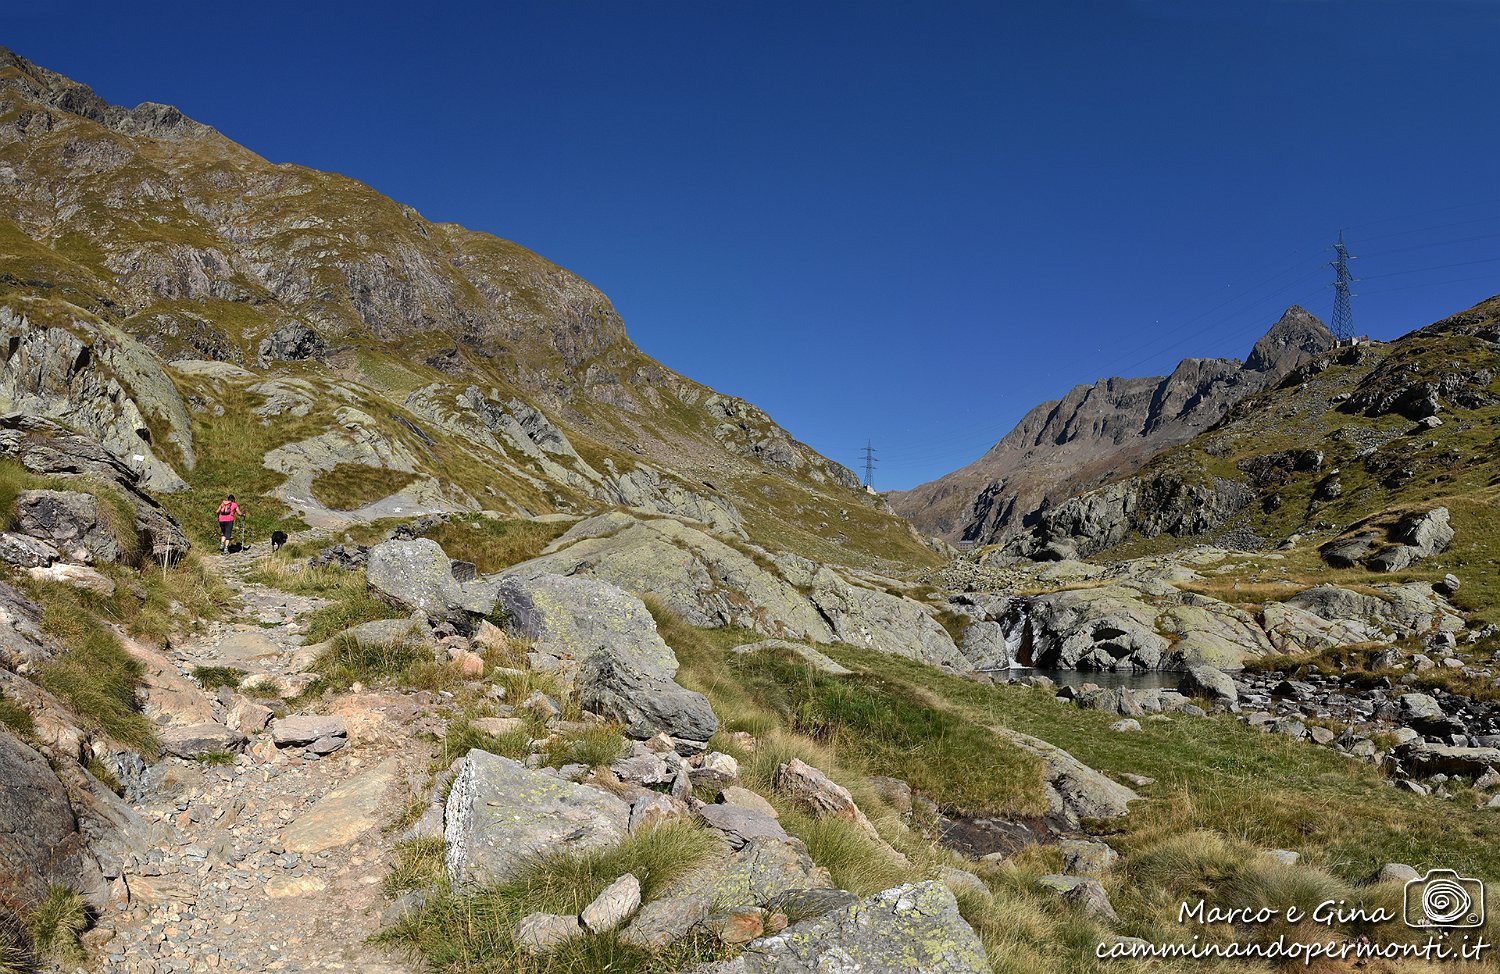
{"x":908,"y":222}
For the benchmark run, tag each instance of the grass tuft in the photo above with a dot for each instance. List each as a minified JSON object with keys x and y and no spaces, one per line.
{"x":595,"y":746}
{"x":56,"y":924}
{"x":213,"y":677}
{"x":96,"y":676}
{"x":492,"y":544}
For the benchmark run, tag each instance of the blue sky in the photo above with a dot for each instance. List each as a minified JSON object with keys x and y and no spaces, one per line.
{"x":902,"y":222}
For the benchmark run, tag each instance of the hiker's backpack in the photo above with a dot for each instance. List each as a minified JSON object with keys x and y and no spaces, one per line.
{"x":225,"y":508}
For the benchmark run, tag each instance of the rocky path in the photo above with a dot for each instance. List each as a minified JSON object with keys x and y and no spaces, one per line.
{"x":274,"y":863}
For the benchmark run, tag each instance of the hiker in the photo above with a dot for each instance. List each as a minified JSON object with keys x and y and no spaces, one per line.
{"x":228,"y":511}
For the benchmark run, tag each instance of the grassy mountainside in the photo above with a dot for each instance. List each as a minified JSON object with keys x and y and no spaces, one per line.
{"x":308,"y":307}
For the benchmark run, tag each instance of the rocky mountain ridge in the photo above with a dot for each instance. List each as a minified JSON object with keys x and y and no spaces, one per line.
{"x":1365,"y":447}
{"x":1100,"y":432}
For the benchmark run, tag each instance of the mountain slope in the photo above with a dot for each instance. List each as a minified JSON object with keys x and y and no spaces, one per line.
{"x":1099,"y":431}
{"x":159,"y":284}
{"x":1337,"y":455}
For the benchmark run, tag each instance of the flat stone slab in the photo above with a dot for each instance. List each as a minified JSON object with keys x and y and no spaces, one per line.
{"x":303,"y":730}
{"x":200,"y":739}
{"x":243,"y":645}
{"x":344,"y":814}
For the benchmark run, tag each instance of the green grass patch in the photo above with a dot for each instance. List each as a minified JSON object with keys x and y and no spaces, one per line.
{"x":409,"y":666}
{"x":17,"y":719}
{"x":104,"y":774}
{"x":463,"y":737}
{"x":1217,"y":775}
{"x":350,"y":486}
{"x":492,"y":544}
{"x":216,"y":759}
{"x":596,"y":746}
{"x":96,"y":677}
{"x":417,"y":864}
{"x":892,"y":730}
{"x":350,"y":600}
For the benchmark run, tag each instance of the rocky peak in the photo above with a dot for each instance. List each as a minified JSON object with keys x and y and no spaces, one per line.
{"x":38,"y":84}
{"x":1101,"y":431}
{"x":1298,"y":336}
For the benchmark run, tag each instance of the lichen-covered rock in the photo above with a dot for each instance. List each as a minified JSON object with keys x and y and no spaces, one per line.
{"x":26,"y":552}
{"x":915,"y":927}
{"x":985,"y":647}
{"x":742,"y":825}
{"x":1096,"y":628}
{"x":626,"y":671}
{"x":70,"y":521}
{"x":1206,"y":681}
{"x":417,"y":574}
{"x":755,"y":876}
{"x":46,"y":448}
{"x":502,"y":817}
{"x":612,"y":907}
{"x":301,"y":730}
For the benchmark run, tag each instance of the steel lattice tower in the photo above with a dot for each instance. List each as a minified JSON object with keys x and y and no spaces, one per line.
{"x":869,"y":464}
{"x":1343,"y":308}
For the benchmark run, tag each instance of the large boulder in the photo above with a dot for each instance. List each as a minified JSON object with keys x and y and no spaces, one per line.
{"x":985,"y":647}
{"x":626,"y":671}
{"x":814,"y":791}
{"x":1105,"y":628}
{"x":40,"y":842}
{"x":47,"y":449}
{"x":417,"y":574}
{"x":197,"y":740}
{"x":1206,"y":681}
{"x":916,"y":927}
{"x":501,"y":818}
{"x":1397,"y":612}
{"x":1207,"y":632}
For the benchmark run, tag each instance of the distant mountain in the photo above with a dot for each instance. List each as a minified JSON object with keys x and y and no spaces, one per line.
{"x":1349,"y":456}
{"x":231,"y":324}
{"x":1099,"y":432}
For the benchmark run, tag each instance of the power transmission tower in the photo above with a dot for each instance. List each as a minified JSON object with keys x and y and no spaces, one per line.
{"x":1343,"y":309}
{"x":869,"y":464}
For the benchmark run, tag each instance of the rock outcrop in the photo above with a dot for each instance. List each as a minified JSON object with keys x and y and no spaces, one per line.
{"x":625,"y":671}
{"x":47,"y":449}
{"x":712,"y":583}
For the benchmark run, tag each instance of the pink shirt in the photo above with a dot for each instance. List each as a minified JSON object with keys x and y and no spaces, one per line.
{"x":228,"y":512}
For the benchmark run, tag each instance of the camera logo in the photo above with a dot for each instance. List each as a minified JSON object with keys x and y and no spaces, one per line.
{"x":1443,"y":898}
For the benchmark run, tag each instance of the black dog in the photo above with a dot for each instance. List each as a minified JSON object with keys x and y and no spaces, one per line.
{"x":278,"y":538}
